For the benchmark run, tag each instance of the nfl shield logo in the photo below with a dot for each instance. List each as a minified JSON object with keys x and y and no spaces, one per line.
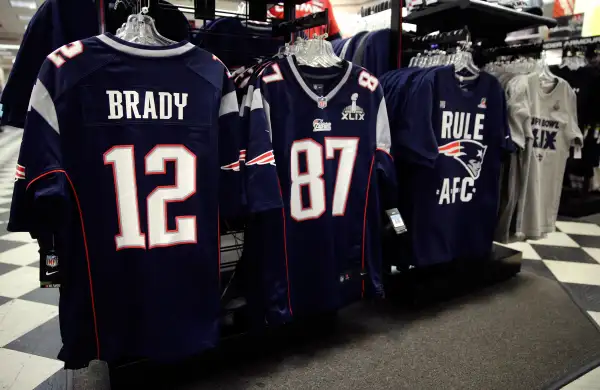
{"x":322,"y":102}
{"x":51,"y":261}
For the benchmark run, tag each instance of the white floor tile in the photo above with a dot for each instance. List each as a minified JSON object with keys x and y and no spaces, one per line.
{"x":6,"y":192}
{"x":4,"y":209}
{"x":22,"y":371}
{"x":556,"y":239}
{"x":569,"y":272}
{"x":528,"y":251}
{"x":596,"y":316}
{"x":590,"y":229}
{"x":589,"y":381}
{"x":18,"y":317}
{"x":18,"y":236}
{"x":18,"y":282}
{"x":594,"y":252}
{"x":5,"y":200}
{"x":22,"y":255}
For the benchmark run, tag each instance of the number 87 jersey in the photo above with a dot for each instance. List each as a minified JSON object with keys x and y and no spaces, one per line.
{"x":318,"y":140}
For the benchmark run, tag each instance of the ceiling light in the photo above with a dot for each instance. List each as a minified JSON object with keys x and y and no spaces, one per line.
{"x":23,"y":4}
{"x":8,"y":47}
{"x":25,"y":18}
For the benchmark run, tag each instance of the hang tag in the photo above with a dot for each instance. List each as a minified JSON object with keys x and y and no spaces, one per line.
{"x":50,"y":275}
{"x":577,"y":153}
{"x":396,"y":220}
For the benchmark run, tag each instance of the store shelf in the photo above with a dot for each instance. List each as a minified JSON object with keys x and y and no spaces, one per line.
{"x":483,"y":19}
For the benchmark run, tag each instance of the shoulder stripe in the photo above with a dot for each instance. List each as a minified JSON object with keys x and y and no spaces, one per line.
{"x":229,"y":104}
{"x":42,"y":103}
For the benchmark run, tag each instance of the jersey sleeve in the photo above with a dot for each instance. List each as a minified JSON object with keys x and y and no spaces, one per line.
{"x":574,"y":135}
{"x":517,"y":93}
{"x":416,"y":137}
{"x":41,"y":186}
{"x":230,"y":144}
{"x":37,"y":43}
{"x":261,"y":181}
{"x":385,"y":162}
{"x":507,"y":143}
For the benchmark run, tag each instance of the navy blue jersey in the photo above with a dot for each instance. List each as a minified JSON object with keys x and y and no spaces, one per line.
{"x":51,"y":27}
{"x":327,"y":130}
{"x":136,"y":140}
{"x":452,"y":169}
{"x":238,"y":42}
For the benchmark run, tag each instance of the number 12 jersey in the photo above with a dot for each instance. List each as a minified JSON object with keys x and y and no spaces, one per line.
{"x":122,"y":151}
{"x":323,"y":134}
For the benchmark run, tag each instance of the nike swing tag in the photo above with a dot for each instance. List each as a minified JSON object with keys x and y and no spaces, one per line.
{"x":577,"y":153}
{"x":49,"y":269}
{"x":396,"y":220}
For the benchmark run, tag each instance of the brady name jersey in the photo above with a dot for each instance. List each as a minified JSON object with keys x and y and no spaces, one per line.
{"x":323,"y":134}
{"x":123,"y":149}
{"x":451,"y":209}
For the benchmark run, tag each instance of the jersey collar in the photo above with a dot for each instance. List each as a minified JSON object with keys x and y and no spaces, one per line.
{"x":309,"y":91}
{"x":144,"y":50}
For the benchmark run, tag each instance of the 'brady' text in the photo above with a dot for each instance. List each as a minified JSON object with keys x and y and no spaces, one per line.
{"x":128,"y":104}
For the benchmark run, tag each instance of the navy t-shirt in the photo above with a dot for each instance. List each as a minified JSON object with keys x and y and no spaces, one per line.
{"x":450,"y":196}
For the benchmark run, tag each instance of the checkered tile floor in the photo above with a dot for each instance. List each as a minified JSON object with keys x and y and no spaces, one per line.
{"x":29,"y":333}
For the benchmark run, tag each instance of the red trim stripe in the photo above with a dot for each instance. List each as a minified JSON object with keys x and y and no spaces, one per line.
{"x":87,"y":255}
{"x":365,"y":224}
{"x":285,"y":251}
{"x":386,"y":152}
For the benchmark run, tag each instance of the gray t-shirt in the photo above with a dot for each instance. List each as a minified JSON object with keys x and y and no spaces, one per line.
{"x":548,"y":130}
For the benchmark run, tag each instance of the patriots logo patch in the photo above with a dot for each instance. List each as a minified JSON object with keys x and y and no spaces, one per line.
{"x":20,"y":174}
{"x":469,"y":153}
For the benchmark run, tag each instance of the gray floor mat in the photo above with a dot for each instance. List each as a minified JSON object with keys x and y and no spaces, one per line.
{"x":525,"y":333}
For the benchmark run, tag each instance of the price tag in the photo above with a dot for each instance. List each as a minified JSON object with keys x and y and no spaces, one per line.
{"x":396,"y":220}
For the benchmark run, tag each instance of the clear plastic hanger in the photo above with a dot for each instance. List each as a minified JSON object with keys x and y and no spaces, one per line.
{"x":316,"y":52}
{"x":463,"y":62}
{"x":140,"y":28}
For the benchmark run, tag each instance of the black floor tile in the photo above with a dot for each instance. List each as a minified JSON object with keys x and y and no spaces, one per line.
{"x":4,"y":268}
{"x":42,"y":341}
{"x":563,"y":253}
{"x":35,"y":264}
{"x":7,"y":245}
{"x":586,"y":241}
{"x":48,"y":296}
{"x":3,"y":300}
{"x":588,"y":297}
{"x":537,"y":267}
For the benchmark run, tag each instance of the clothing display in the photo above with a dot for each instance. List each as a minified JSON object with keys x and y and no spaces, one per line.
{"x":189,"y":185}
{"x":330,"y":149}
{"x":547,"y":118}
{"x":48,"y":30}
{"x":103,"y":145}
{"x":369,"y":49}
{"x":448,"y":152}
